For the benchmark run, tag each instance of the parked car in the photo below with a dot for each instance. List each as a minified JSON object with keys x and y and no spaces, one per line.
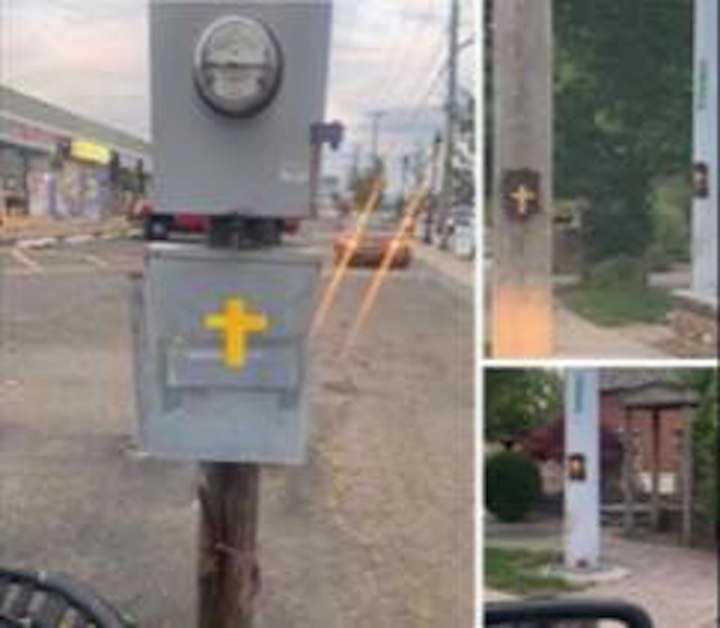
{"x":374,"y":244}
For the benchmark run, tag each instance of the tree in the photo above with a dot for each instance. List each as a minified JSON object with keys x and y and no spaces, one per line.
{"x":362,"y":185}
{"x":706,"y":442}
{"x":517,"y":400}
{"x":623,"y":112}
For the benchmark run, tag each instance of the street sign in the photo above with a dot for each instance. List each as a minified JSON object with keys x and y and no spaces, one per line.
{"x":220,"y":353}
{"x":322,"y":133}
{"x":236,"y":88}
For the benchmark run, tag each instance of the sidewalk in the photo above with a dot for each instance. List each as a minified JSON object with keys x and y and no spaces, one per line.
{"x":49,"y":232}
{"x":577,"y":337}
{"x":676,"y":585}
{"x":459,"y":272}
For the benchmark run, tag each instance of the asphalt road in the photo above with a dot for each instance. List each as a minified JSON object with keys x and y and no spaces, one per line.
{"x":376,"y":530}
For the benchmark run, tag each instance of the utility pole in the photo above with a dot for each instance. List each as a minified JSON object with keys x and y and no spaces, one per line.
{"x":582,"y":470}
{"x":202,"y":331}
{"x":446,"y":195}
{"x":431,"y":198}
{"x":229,"y":572}
{"x":522,"y":303}
{"x":376,"y":116}
{"x":404,"y":165}
{"x":706,"y":171}
{"x":354,"y":164}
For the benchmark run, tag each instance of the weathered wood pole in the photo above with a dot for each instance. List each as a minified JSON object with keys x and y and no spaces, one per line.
{"x":228,"y":568}
{"x":688,"y":480}
{"x":655,"y":495}
{"x":628,"y":472}
{"x":522,"y":307}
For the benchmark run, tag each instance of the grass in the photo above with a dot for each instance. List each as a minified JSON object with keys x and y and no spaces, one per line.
{"x":618,"y":306}
{"x":517,"y":571}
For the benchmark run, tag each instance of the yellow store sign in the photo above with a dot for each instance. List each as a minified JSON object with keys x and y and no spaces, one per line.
{"x":88,"y":151}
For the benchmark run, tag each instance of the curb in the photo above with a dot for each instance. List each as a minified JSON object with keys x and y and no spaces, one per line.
{"x":68,"y":240}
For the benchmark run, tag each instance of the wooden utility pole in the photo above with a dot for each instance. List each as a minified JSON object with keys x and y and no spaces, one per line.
{"x":522,"y":305}
{"x":229,"y":572}
{"x":376,"y":116}
{"x":628,"y":473}
{"x":446,"y":194}
{"x":688,"y":487}
{"x":431,"y":199}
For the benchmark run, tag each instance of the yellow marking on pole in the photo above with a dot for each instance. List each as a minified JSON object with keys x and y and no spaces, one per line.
{"x":523,"y":196}
{"x":236,"y":324}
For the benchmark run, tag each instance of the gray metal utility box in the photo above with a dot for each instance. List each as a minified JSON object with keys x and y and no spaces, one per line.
{"x":236,"y":86}
{"x":192,"y":404}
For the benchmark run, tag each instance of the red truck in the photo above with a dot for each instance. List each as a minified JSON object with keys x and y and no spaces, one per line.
{"x":159,"y":226}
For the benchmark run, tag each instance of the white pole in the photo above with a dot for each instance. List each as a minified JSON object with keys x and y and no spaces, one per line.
{"x":705,"y":108}
{"x":582,"y":470}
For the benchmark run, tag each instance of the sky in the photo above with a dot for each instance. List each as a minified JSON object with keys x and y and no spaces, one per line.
{"x":387,"y":55}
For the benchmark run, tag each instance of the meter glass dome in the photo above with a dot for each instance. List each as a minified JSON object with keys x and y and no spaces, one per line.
{"x":238,"y":66}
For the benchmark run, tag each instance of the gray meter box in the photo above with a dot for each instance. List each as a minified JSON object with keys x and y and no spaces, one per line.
{"x":257,"y":164}
{"x":191,"y":404}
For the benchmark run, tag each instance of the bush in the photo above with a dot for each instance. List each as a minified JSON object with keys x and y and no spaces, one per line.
{"x":671,"y":219}
{"x":512,"y":485}
{"x":622,"y":271}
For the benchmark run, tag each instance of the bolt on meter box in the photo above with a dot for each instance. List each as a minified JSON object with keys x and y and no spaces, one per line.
{"x":236,"y":88}
{"x":220,"y":352}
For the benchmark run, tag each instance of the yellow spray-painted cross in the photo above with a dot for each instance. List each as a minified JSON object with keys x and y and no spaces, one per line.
{"x":524,"y":196}
{"x":237,"y":325}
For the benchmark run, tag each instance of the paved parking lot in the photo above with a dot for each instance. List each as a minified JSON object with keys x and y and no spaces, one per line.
{"x":376,"y":530}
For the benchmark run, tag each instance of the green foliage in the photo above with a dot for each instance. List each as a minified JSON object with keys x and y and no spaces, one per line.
{"x":517,"y":571}
{"x":618,"y":306}
{"x":512,"y":485}
{"x":516,"y":400}
{"x":618,"y":272}
{"x":623,"y":85}
{"x":362,"y":185}
{"x":705,"y":439}
{"x":671,"y":222}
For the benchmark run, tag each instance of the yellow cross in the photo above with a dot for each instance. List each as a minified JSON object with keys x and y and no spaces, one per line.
{"x":237,"y":325}
{"x":523,"y":196}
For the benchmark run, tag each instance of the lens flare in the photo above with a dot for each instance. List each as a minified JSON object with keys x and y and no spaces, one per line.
{"x":341,"y":268}
{"x":400,"y":240}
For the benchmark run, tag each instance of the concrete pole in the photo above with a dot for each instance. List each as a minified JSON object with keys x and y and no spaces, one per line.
{"x":582,"y":470}
{"x":705,"y":210}
{"x":522,"y":305}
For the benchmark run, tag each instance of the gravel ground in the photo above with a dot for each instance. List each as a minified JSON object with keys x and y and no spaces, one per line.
{"x":376,"y":530}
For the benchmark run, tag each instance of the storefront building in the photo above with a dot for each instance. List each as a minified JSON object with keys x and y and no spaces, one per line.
{"x":54,"y":163}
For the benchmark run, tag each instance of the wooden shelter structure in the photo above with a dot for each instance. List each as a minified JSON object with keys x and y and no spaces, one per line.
{"x":650,"y":400}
